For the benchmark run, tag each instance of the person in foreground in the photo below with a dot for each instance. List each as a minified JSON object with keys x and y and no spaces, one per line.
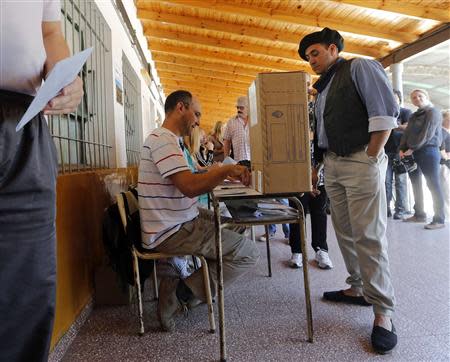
{"x":171,"y":221}
{"x":355,"y":110}
{"x":32,"y":42}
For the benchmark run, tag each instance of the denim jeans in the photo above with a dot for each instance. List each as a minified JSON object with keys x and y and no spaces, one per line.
{"x":401,"y":180}
{"x":427,"y":159}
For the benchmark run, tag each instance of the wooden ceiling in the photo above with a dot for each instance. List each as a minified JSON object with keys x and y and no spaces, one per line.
{"x":214,"y":48}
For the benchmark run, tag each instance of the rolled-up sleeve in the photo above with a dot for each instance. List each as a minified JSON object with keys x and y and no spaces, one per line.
{"x":376,"y":93}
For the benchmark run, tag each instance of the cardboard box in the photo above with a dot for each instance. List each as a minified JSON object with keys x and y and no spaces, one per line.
{"x":279,"y":133}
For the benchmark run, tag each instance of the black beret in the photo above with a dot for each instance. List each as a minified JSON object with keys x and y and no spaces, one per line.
{"x":325,"y":36}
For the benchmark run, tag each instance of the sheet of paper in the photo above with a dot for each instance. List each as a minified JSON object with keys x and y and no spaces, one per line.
{"x":63,"y":73}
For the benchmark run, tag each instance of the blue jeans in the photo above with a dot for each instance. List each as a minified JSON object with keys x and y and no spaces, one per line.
{"x":401,"y":200}
{"x":427,"y":159}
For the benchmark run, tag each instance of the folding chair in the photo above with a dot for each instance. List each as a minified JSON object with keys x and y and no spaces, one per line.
{"x":128,"y":205}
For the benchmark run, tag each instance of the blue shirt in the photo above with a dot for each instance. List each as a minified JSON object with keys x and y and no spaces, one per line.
{"x":372,"y":85}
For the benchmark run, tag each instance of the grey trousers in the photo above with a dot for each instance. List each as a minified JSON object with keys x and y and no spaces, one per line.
{"x":198,"y":237}
{"x":28,"y":170}
{"x":356,"y":188}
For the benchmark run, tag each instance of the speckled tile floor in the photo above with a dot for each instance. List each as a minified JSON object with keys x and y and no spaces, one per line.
{"x":265,"y":317}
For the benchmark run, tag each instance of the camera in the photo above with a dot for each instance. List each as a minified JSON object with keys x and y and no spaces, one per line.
{"x":406,"y":164}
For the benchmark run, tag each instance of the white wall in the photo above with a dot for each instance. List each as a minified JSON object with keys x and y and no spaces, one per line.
{"x":121,"y":43}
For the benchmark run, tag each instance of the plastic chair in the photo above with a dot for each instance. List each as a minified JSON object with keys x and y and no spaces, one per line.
{"x":127,"y":200}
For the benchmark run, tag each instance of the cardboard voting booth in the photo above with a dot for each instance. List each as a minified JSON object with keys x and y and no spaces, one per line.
{"x":279,"y":133}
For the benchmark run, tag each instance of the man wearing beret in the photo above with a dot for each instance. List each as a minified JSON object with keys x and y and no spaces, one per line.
{"x":355,"y":111}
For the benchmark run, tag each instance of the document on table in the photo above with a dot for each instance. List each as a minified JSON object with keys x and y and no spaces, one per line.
{"x":63,"y":73}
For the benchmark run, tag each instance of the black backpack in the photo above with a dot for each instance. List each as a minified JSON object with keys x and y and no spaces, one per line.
{"x":118,"y":244}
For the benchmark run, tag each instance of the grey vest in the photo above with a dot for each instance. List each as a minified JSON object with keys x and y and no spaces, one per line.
{"x":345,"y":116}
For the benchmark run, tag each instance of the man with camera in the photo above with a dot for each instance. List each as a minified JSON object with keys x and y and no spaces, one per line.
{"x":401,"y":208}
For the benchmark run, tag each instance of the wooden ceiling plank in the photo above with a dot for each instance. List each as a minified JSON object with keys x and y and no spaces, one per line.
{"x":148,"y":16}
{"x":245,"y":58}
{"x":189,"y":61}
{"x":212,"y":83}
{"x":203,"y":78}
{"x":224,"y":60}
{"x":195,"y":39}
{"x":403,"y":8}
{"x":178,"y":68}
{"x":299,"y":18}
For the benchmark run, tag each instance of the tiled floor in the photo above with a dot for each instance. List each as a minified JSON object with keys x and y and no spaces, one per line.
{"x":265,"y":317}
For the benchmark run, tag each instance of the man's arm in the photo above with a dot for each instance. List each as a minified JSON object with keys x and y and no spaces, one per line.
{"x":57,"y":49}
{"x":226,"y":147}
{"x":375,"y":90}
{"x":377,"y":141}
{"x":191,"y":184}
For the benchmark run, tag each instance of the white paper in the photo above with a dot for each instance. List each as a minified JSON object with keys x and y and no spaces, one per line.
{"x":63,"y":73}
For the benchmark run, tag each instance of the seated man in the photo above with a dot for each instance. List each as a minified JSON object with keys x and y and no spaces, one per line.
{"x":170,"y":219}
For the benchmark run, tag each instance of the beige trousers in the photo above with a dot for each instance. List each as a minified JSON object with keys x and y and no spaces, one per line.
{"x":197,"y":237}
{"x":356,"y":187}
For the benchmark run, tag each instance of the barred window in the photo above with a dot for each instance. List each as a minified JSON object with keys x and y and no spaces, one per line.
{"x":132,"y":109}
{"x":81,"y":138}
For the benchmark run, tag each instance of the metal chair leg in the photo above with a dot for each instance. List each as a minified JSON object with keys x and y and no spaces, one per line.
{"x":138,"y":286}
{"x":206,"y":282}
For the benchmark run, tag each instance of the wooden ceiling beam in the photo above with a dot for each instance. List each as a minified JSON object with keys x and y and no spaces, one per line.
{"x":178,"y":68}
{"x":211,"y":83}
{"x":243,"y":58}
{"x":148,"y":16}
{"x":203,"y":79}
{"x":216,"y":89}
{"x":198,"y":62}
{"x":231,"y":59}
{"x":165,"y":32}
{"x":293,"y":17}
{"x":403,"y":8}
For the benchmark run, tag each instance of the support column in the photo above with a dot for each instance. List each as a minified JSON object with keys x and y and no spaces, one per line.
{"x":397,"y":77}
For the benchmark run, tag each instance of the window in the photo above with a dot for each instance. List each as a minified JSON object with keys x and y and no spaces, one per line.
{"x":131,"y":105}
{"x":81,"y":138}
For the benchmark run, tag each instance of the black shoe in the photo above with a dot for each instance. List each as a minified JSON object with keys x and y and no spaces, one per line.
{"x":383,"y":341}
{"x":389,"y":213}
{"x":339,"y":297}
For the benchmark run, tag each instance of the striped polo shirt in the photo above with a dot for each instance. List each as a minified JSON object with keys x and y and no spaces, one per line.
{"x":163,"y":208}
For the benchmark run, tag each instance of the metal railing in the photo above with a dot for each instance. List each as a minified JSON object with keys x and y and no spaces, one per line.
{"x":132,"y":97}
{"x":81,"y":138}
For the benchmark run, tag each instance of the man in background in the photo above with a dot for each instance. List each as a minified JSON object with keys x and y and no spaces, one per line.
{"x":237,"y":135}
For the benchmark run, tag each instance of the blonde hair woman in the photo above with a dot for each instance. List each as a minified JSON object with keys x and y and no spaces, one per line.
{"x":216,"y":138}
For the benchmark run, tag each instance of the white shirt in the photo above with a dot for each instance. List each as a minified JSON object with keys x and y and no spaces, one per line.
{"x":163,"y":208}
{"x":22,"y":54}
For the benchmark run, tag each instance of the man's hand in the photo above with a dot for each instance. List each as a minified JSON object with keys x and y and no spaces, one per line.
{"x":68,"y":99}
{"x":408,"y":152}
{"x":241,"y":173}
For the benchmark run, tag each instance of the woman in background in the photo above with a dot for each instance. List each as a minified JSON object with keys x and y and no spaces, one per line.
{"x":216,"y":138}
{"x":422,"y":139}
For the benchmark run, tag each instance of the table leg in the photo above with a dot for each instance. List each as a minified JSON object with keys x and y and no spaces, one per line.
{"x":223,"y":345}
{"x":306,"y":278}
{"x":269,"y":261}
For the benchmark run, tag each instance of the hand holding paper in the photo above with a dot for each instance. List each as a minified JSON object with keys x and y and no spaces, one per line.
{"x":62,"y":77}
